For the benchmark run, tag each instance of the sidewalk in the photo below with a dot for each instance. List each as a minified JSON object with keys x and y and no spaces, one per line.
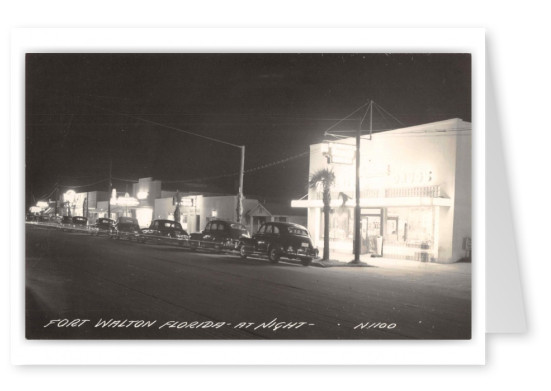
{"x":337,"y":259}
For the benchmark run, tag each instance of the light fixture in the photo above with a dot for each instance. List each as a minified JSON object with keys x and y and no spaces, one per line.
{"x":142,"y":195}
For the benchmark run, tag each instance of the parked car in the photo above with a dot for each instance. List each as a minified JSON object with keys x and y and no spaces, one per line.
{"x":278,"y":239}
{"x":166,"y":231}
{"x":79,"y":222}
{"x":66,"y":223}
{"x":127,"y":228}
{"x":219,"y":235}
{"x":103,"y":226}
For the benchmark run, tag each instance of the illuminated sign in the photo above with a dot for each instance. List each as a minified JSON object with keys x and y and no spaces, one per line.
{"x":339,"y":153}
{"x":127,"y":201}
{"x":186,"y":202}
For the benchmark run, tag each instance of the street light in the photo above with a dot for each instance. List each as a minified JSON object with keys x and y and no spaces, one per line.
{"x":241,"y":147}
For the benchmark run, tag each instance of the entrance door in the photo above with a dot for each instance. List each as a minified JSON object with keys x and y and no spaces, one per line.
{"x":369,"y":231}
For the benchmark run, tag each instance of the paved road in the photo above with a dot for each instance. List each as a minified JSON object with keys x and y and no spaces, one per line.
{"x":89,"y":280}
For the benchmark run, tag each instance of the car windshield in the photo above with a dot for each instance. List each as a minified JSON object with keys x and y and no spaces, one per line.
{"x":127,"y":220}
{"x":297,"y":231}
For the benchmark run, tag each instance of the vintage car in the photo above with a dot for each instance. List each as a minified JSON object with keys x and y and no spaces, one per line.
{"x":127,"y":228}
{"x":219,"y":235}
{"x":103,"y":226}
{"x":79,"y":223}
{"x":278,"y":239}
{"x":167,"y":232}
{"x":65,"y":223}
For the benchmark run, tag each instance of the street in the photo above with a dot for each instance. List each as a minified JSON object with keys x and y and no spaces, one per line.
{"x":80,"y":286}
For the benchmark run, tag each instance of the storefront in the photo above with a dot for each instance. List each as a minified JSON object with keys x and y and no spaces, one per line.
{"x":415,"y":193}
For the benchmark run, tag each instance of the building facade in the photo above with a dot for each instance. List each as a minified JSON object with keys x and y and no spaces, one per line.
{"x":415,"y":192}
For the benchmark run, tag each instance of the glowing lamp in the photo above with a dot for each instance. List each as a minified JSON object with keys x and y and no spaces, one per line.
{"x":142,"y":195}
{"x":42,"y":204}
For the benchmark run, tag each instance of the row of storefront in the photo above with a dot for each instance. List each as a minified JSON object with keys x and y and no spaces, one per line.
{"x":148,"y":201}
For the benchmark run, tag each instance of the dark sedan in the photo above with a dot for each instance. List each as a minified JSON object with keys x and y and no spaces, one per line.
{"x":219,"y":235}
{"x":167,"y":232}
{"x":78,"y":223}
{"x":277,"y":239}
{"x":103,"y":226}
{"x":127,"y":228}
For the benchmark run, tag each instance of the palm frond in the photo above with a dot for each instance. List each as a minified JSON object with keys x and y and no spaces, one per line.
{"x":324,"y":176}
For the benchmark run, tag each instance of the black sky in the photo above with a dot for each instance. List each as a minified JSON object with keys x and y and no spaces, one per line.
{"x":83,"y":109}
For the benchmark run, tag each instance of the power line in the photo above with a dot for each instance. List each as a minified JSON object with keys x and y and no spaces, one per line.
{"x":257,"y":168}
{"x":164,"y":126}
{"x":89,"y":184}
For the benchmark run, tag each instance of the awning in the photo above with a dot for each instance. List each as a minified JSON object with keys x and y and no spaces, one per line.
{"x":376,"y":202}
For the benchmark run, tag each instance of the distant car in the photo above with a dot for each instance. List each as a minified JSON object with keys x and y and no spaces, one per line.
{"x":278,"y":239}
{"x":56,"y":220}
{"x":219,"y":235}
{"x":167,"y":232}
{"x":103,"y":226}
{"x":127,"y":228}
{"x":66,"y":223}
{"x":79,"y":222}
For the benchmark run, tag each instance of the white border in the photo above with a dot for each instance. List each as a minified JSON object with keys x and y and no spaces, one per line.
{"x":245,"y":352}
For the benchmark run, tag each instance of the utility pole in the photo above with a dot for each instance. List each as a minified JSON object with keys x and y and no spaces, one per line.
{"x":240,"y":194}
{"x":56,"y":198}
{"x":357,"y":210}
{"x":357,"y":214}
{"x":109,"y":189}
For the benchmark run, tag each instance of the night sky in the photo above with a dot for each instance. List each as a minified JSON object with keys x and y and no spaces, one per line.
{"x":85,"y":110}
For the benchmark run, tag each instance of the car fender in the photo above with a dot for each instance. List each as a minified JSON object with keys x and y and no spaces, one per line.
{"x":249,"y":242}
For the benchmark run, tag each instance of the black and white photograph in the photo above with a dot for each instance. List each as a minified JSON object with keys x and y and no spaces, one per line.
{"x":235,"y":196}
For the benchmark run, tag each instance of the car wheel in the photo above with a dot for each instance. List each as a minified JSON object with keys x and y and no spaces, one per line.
{"x":273,"y":254}
{"x":305,"y":261}
{"x":243,"y":251}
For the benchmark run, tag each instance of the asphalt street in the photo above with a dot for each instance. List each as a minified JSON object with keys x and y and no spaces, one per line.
{"x":80,"y":286}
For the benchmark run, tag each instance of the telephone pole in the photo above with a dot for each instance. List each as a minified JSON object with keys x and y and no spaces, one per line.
{"x":109,"y":189}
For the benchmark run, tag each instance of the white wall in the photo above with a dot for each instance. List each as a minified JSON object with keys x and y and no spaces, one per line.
{"x":401,"y":159}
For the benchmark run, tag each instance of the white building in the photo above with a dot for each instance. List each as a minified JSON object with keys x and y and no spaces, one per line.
{"x":415,"y":192}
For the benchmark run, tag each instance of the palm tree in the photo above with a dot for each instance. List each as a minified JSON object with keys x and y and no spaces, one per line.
{"x":326,"y":179}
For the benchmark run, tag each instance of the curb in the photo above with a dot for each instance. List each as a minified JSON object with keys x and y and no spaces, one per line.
{"x":334,"y":263}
